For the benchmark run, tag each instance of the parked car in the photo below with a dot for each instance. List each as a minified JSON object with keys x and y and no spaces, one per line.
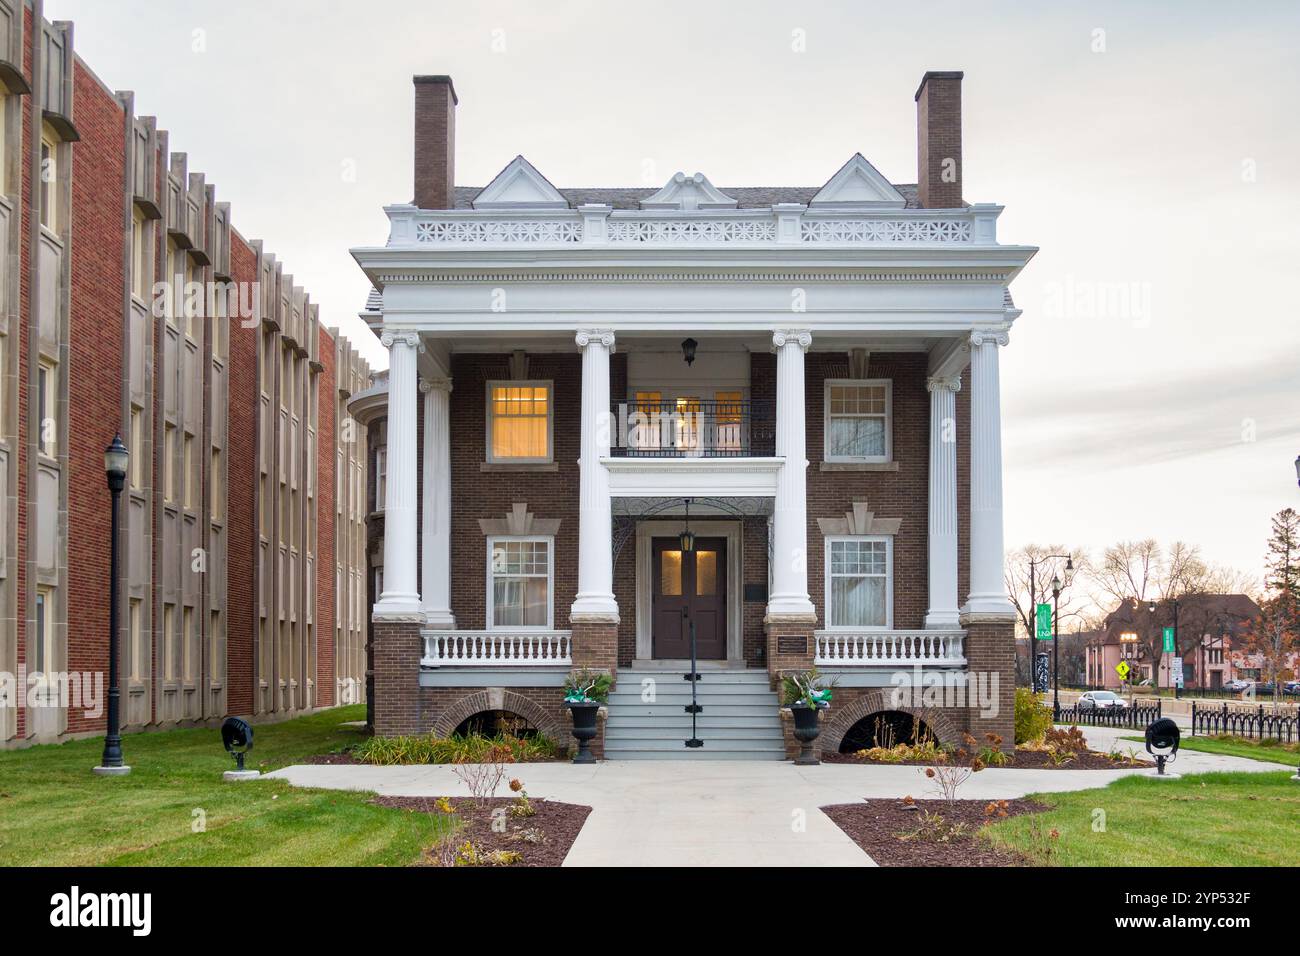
{"x":1238,"y":685}
{"x":1292,"y":688}
{"x":1101,"y":700}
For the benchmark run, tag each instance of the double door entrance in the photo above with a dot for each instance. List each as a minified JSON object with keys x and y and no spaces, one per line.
{"x":689,"y":587}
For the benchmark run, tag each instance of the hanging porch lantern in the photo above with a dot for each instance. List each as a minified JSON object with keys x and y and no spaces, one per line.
{"x":687,"y":539}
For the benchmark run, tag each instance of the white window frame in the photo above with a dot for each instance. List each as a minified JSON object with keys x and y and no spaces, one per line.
{"x":49,"y":190}
{"x":47,"y":377}
{"x":489,"y":416}
{"x":43,"y":612}
{"x":888,"y":539}
{"x":889,"y":421}
{"x":490,"y":603}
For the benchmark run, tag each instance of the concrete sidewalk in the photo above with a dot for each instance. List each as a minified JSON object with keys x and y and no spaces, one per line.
{"x":729,"y":813}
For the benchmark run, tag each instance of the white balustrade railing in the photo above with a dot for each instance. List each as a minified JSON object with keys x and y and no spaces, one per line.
{"x":889,"y":648}
{"x":603,"y":227}
{"x":497,"y":649}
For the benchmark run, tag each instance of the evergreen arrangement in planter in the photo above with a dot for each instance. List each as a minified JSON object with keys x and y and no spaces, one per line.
{"x":584,"y":692}
{"x":806,"y":693}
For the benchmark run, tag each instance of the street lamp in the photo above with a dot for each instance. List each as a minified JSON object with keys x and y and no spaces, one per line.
{"x":116,"y":460}
{"x":1297,"y":469}
{"x":1033,"y":602}
{"x":1056,"y":647}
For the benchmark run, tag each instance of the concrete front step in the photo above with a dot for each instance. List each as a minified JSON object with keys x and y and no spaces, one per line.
{"x":681,"y":700}
{"x":673,"y":743}
{"x":664,"y":729}
{"x":712,"y":678}
{"x":619,"y":722}
{"x":703,"y":753}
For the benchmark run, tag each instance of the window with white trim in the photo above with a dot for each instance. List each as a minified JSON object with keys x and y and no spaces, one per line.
{"x":520,"y":580}
{"x":381,"y":477}
{"x":46,"y":379}
{"x":43,"y":647}
{"x":860,"y":582}
{"x":49,"y":176}
{"x":858,"y":427}
{"x":519,"y":422}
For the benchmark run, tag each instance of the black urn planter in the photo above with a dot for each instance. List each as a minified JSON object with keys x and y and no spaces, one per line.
{"x":806,"y":729}
{"x":584,"y":730}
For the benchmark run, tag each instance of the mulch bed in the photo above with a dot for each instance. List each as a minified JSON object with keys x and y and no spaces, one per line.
{"x":880,"y":828}
{"x":543,"y":839}
{"x":1024,"y":760}
{"x":345,"y":757}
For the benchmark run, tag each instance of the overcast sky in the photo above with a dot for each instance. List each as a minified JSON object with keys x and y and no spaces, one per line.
{"x":1150,"y":149}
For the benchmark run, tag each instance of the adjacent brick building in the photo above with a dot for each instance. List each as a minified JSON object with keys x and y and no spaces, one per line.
{"x":132,"y":305}
{"x":619,"y":424}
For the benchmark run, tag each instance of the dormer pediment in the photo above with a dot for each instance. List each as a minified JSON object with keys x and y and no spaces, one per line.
{"x":858,"y":185}
{"x":689,"y":192}
{"x":520,"y":186}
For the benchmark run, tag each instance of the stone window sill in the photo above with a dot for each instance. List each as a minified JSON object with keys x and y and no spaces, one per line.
{"x":859,"y":466}
{"x":531,"y":467}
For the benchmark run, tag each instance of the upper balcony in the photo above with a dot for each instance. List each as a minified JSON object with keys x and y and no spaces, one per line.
{"x":692,"y":428}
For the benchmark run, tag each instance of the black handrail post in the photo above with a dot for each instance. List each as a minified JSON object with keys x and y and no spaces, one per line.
{"x":694,"y":678}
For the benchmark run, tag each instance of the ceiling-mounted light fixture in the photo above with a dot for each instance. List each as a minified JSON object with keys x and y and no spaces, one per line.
{"x":687,"y":539}
{"x":688,"y":350}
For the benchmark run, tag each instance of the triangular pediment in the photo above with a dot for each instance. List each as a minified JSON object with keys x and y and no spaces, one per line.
{"x":858,"y":184}
{"x":689,"y":192}
{"x":520,"y":186}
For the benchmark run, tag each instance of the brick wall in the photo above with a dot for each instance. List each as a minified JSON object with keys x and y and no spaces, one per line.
{"x":95,"y":371}
{"x":990,"y":652}
{"x":478,"y":494}
{"x":938,"y":121}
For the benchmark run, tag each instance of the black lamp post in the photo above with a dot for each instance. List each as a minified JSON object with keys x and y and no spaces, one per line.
{"x":1056,"y":648}
{"x":116,"y":459}
{"x":1297,"y":469}
{"x":1033,"y":601}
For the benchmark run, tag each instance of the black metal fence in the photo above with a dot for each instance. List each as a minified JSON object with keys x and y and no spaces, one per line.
{"x":1136,"y":717}
{"x":1257,"y":722}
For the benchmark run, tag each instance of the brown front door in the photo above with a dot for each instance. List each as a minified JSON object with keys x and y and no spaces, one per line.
{"x":689,"y":586}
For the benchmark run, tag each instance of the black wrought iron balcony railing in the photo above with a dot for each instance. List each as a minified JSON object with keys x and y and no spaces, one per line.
{"x":691,"y":428}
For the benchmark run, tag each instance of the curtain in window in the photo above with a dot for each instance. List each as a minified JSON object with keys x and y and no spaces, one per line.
{"x":859,"y":577}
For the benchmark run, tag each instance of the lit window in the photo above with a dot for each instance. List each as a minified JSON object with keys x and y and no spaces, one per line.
{"x":519,"y":582}
{"x":519,"y":421}
{"x":857,"y":421}
{"x":859,"y":582}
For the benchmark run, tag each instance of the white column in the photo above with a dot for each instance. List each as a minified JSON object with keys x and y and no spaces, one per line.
{"x":988,"y":593}
{"x":789,"y":597}
{"x":942,"y":611}
{"x":400,"y":598}
{"x":435,"y":536}
{"x":595,"y":598}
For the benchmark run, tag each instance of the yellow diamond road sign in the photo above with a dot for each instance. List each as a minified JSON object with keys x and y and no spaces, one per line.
{"x":1122,"y":669}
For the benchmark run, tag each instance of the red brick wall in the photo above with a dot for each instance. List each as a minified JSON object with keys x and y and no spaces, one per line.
{"x":477,"y":494}
{"x":891,"y":494}
{"x":95,"y":370}
{"x":241,"y":599}
{"x":326,"y":401}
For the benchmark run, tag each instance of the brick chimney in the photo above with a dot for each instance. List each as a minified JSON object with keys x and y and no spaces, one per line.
{"x":435,"y":142}
{"x":938,"y":140}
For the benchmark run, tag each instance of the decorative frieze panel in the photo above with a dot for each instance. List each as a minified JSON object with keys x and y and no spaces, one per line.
{"x":692,"y":230}
{"x":884,"y":230}
{"x":493,"y":231}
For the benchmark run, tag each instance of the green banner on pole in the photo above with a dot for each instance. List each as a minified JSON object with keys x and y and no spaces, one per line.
{"x":1043,"y":622}
{"x":1169,"y":640}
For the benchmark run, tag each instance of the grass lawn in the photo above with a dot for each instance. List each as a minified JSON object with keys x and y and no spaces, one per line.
{"x":54,"y":811}
{"x":1213,"y":819}
{"x":1270,"y":750}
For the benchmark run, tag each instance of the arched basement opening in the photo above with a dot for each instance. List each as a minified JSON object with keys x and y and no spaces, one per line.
{"x":490,"y":723}
{"x":885,"y":728}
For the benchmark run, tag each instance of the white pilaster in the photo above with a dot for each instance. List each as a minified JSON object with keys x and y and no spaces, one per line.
{"x":789,"y":597}
{"x":435,"y":537}
{"x":988,"y":593}
{"x":400,"y":598}
{"x":595,"y":598}
{"x":942,"y":612}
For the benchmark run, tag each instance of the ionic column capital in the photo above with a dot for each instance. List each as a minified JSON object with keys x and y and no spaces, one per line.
{"x":799,"y":337}
{"x":585,"y":337}
{"x":943,"y":384}
{"x":992,"y":336}
{"x":405,"y":337}
{"x":435,"y":383}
